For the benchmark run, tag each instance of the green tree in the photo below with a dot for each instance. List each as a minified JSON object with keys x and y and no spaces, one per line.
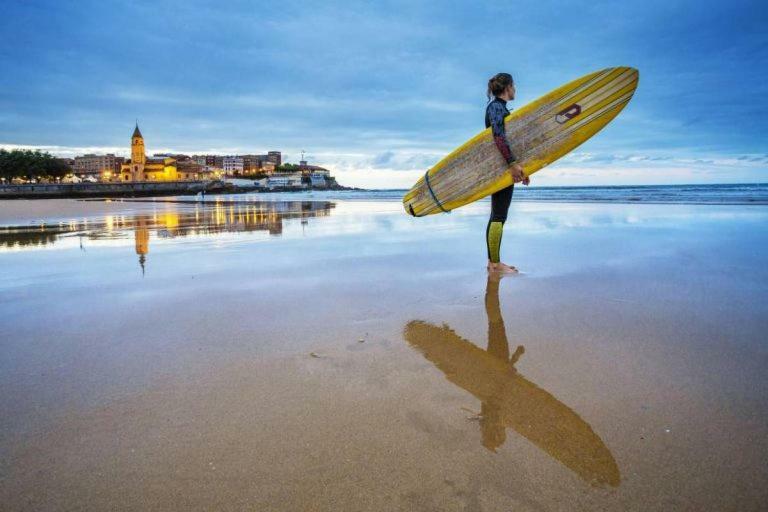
{"x":25,"y":163}
{"x":288,"y":168}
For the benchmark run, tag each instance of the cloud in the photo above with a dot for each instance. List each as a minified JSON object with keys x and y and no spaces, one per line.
{"x":69,"y":151}
{"x":742,"y":161}
{"x":381,"y":87}
{"x":380,"y":102}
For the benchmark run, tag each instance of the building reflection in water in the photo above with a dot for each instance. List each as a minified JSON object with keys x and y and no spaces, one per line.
{"x":170,"y":220}
{"x":509,"y":400}
{"x":141,"y":240}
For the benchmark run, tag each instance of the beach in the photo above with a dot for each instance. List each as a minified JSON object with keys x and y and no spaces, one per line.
{"x":280,"y":352}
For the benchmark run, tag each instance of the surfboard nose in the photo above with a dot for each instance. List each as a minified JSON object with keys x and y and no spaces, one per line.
{"x":632,"y":70}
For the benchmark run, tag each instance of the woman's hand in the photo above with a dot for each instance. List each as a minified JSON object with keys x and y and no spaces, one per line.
{"x":517,"y":174}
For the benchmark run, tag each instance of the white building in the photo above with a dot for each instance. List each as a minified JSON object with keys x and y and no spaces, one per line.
{"x":318,"y":179}
{"x":233,"y":165}
{"x":285,"y":180}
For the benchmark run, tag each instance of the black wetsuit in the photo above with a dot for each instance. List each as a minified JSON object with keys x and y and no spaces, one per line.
{"x":495,"y":113}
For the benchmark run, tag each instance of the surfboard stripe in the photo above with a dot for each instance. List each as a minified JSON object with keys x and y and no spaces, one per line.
{"x":602,"y":97}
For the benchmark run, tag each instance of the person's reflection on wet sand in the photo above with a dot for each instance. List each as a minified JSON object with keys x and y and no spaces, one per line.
{"x":509,"y":400}
{"x":491,"y":422}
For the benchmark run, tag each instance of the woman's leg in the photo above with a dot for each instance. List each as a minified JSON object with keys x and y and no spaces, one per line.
{"x":499,"y":207}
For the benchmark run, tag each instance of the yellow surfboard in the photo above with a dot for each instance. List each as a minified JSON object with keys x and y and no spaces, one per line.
{"x":538,"y":133}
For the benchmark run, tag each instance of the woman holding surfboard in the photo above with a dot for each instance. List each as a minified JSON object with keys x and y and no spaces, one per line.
{"x":502,"y":88}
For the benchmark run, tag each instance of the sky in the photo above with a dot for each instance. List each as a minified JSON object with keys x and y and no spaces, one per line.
{"x":378,"y":92}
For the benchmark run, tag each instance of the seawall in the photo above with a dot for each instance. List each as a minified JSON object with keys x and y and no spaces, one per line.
{"x":133,"y":189}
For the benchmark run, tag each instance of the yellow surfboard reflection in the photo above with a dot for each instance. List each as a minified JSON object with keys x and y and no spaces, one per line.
{"x":509,"y":400}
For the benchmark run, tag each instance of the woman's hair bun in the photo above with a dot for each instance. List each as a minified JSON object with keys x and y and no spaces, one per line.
{"x":498,"y":83}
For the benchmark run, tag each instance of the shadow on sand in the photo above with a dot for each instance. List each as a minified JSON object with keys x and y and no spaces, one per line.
{"x":509,"y":400}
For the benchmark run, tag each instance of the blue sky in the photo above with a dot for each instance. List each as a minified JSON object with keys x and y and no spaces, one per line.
{"x":378,"y":92}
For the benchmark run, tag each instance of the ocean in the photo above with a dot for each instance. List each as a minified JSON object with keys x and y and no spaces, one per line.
{"x":742,"y":193}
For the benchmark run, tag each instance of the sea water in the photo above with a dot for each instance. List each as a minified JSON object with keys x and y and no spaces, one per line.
{"x":740,"y":193}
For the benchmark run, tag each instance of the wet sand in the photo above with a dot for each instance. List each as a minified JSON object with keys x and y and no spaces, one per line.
{"x":340,"y":355}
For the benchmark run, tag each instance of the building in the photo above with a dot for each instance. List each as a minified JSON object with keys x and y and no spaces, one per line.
{"x":104,"y":167}
{"x":180,"y":157}
{"x":208,"y":168}
{"x":233,"y":165}
{"x":315,"y":169}
{"x":261,"y":164}
{"x":141,"y":168}
{"x":275,"y":157}
{"x":317,"y":176}
{"x":308,"y":170}
{"x":292,"y":180}
{"x":193,"y":171}
{"x":252,"y":163}
{"x":206,"y":160}
{"x":318,"y":180}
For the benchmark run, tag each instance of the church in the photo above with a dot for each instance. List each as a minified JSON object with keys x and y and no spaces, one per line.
{"x":141,"y":168}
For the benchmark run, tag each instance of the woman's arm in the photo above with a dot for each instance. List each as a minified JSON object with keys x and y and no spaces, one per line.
{"x":496,"y":117}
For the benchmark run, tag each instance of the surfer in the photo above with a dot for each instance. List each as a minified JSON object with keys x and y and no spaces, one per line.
{"x":502,"y":88}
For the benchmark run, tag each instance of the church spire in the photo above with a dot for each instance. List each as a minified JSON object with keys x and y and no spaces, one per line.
{"x":138,"y":157}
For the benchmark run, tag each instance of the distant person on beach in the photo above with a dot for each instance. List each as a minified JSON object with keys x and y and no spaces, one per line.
{"x":502,"y":88}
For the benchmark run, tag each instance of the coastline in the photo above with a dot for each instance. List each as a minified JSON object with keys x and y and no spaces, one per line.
{"x":117,"y":189}
{"x":137,"y":189}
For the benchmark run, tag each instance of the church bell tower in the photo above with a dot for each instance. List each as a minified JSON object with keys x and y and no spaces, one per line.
{"x":138,"y":156}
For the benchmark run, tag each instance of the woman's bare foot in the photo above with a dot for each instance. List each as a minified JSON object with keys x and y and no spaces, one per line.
{"x":502,"y":267}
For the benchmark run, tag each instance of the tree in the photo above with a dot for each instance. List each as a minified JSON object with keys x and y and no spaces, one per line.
{"x":25,"y":163}
{"x":288,"y":168}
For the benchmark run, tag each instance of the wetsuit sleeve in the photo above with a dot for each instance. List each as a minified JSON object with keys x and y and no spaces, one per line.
{"x":496,"y":117}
